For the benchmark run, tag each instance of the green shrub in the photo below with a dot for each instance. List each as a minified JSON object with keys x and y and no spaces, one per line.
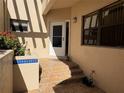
{"x":9,"y":41}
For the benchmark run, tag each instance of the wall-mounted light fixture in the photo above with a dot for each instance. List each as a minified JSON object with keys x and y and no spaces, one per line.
{"x":75,"y":19}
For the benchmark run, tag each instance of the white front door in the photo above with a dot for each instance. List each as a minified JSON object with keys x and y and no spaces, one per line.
{"x":57,"y":39}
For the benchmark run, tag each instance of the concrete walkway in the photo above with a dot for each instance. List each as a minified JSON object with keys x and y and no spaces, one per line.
{"x":54,"y":72}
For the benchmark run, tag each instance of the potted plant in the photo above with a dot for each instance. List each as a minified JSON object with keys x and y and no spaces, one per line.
{"x":9,"y":41}
{"x":88,"y":80}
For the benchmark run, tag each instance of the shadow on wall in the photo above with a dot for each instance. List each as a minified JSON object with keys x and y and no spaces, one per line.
{"x":18,"y":82}
{"x":36,"y":31}
{"x":40,"y":72}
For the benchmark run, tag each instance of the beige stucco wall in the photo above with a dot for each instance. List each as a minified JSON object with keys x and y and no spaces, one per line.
{"x":108,"y":63}
{"x":6,"y":71}
{"x":1,"y":16}
{"x":47,"y":5}
{"x":26,"y":75}
{"x":62,"y":14}
{"x":37,"y":36}
{"x":58,"y":15}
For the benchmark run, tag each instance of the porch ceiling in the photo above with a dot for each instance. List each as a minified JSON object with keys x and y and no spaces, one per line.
{"x":64,"y":3}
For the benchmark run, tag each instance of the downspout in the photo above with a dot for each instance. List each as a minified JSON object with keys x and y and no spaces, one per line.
{"x":5,"y":15}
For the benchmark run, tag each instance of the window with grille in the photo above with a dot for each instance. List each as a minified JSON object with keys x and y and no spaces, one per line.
{"x":19,"y":25}
{"x":90,"y":29}
{"x":104,"y":27}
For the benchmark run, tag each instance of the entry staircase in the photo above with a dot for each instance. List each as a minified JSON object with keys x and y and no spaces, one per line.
{"x":76,"y":73}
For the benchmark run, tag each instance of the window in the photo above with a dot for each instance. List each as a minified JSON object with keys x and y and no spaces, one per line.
{"x":90,"y":29}
{"x":105,"y":27}
{"x":19,"y":25}
{"x":57,"y":36}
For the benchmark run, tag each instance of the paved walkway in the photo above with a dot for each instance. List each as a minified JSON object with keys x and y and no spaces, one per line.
{"x":75,"y":88}
{"x":54,"y":72}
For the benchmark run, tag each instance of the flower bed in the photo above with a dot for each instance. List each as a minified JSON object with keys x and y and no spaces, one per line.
{"x":9,"y":41}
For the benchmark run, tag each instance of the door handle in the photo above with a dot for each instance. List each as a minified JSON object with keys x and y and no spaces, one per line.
{"x":63,"y":38}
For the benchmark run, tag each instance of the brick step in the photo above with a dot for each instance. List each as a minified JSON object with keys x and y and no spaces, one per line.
{"x":66,"y":58}
{"x":77,"y":72}
{"x":69,"y":63}
{"x":73,"y":67}
{"x":73,"y":79}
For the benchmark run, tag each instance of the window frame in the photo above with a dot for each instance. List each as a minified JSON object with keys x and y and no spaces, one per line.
{"x":99,"y":12}
{"x":90,"y":25}
{"x":20,"y":22}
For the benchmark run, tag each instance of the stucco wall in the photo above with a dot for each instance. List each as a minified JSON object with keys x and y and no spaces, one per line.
{"x":108,"y":63}
{"x":1,"y":16}
{"x":6,"y":71}
{"x":44,"y":4}
{"x":57,"y":15}
{"x":47,"y":5}
{"x":37,"y":35}
{"x":26,"y":74}
{"x":62,"y":14}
